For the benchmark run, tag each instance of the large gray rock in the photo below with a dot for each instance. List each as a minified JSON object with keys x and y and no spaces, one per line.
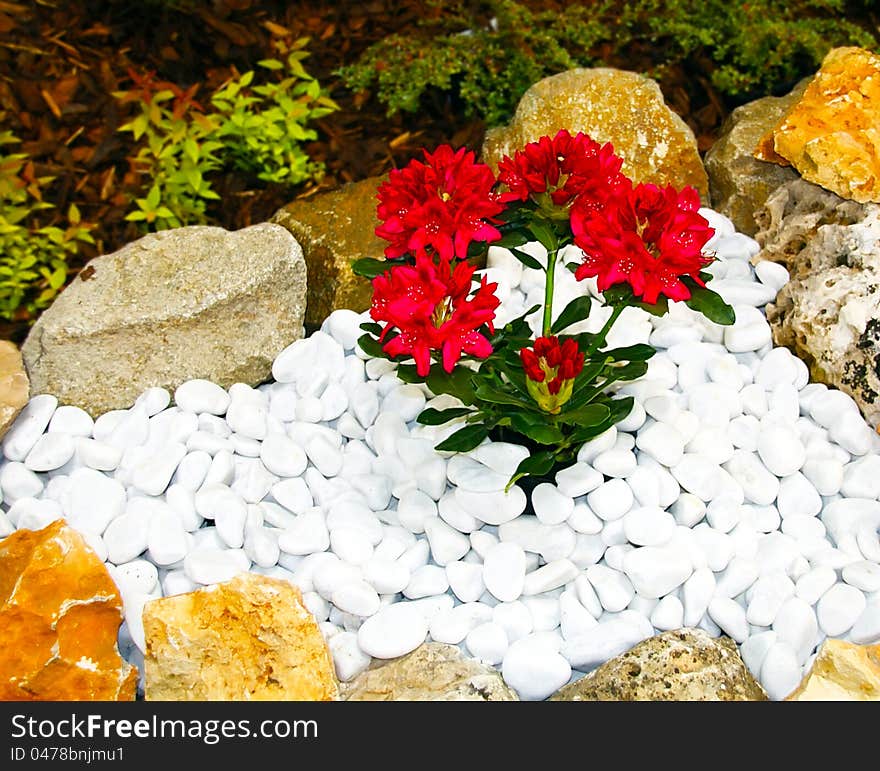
{"x":829,"y":313}
{"x":611,"y":105}
{"x":682,"y":665}
{"x":739,"y":184}
{"x":432,"y":672}
{"x":194,"y":302}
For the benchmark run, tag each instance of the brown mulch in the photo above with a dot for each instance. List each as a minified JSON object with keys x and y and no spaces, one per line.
{"x":60,"y":61}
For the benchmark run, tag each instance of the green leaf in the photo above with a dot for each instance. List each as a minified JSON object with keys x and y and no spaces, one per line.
{"x":271,"y":64}
{"x":512,"y":238}
{"x":526,"y":259}
{"x":372,"y":327}
{"x":544,"y":233}
{"x":538,"y":463}
{"x":370,"y":268}
{"x":590,"y":415}
{"x":621,"y":294}
{"x":408,"y":373}
{"x":710,"y":304}
{"x":638,"y":352}
{"x":153,"y":197}
{"x":464,"y":439}
{"x":371,"y":346}
{"x":458,"y":383}
{"x":535,"y":429}
{"x":577,"y":310}
{"x":487,"y":393}
{"x":432,"y":417}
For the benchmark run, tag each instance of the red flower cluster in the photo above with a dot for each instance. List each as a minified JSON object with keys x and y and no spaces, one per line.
{"x":647,"y":237}
{"x":551,"y":362}
{"x":428,"y":304}
{"x":442,"y":204}
{"x":565,"y":167}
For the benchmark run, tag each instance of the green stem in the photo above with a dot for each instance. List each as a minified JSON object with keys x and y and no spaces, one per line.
{"x":548,"y":293}
{"x":599,"y":339}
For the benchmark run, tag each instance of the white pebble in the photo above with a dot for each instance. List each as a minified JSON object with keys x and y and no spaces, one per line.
{"x":839,"y":608}
{"x":393,"y":631}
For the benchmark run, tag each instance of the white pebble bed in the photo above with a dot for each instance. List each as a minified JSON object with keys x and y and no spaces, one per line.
{"x":736,"y":497}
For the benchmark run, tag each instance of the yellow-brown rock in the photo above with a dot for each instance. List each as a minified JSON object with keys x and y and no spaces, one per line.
{"x":248,"y":639}
{"x":611,"y":105}
{"x":842,"y":671}
{"x":335,"y":228}
{"x":13,"y":385}
{"x":60,"y":613}
{"x":831,"y":135}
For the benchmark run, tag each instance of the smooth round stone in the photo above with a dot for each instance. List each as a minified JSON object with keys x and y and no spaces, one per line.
{"x":50,"y":451}
{"x":861,"y":478}
{"x":466,"y":580}
{"x":766,"y":596}
{"x":334,"y":401}
{"x":662,"y":442}
{"x":213,"y":566}
{"x":550,"y":576}
{"x":867,"y":629}
{"x":348,"y":659}
{"x":351,"y":545}
{"x":261,"y":545}
{"x":414,"y":509}
{"x":504,"y":571}
{"x":613,"y":589}
{"x":426,"y":581}
{"x":534,"y":670}
{"x":393,"y":631}
{"x":487,"y":643}
{"x":803,"y":528}
{"x":738,"y":576}
{"x":759,"y":485}
{"x":773,"y":274}
{"x":607,"y":640}
{"x":514,"y":618}
{"x":452,"y":626}
{"x":852,"y":433}
{"x":307,"y":535}
{"x":405,"y":400}
{"x":153,"y":400}
{"x":656,"y":570}
{"x":798,"y":497}
{"x":648,"y":526}
{"x":282,"y":456}
{"x":696,"y":594}
{"x":357,"y":598}
{"x":331,"y":573}
{"x":813,"y":584}
{"x":863,"y":575}
{"x":668,"y":614}
{"x":97,"y":455}
{"x":503,"y":457}
{"x":493,"y":508}
{"x":166,"y":539}
{"x":574,"y":618}
{"x":839,"y":608}
{"x":32,"y":514}
{"x":551,"y":506}
{"x":615,"y":463}
{"x":688,"y":510}
{"x":127,"y":536}
{"x":780,"y":449}
{"x":583,"y":520}
{"x":154,"y":476}
{"x":326,"y":457}
{"x":730,"y":617}
{"x":387,"y":576}
{"x":447,"y":544}
{"x":72,"y":420}
{"x":201,"y":396}
{"x":597,"y":445}
{"x":698,"y":475}
{"x":28,"y":427}
{"x":868,"y":541}
{"x":723,"y":513}
{"x":611,"y":500}
{"x":95,"y":500}
{"x":744,"y":431}
{"x":343,"y":325}
{"x":293,"y":494}
{"x":796,"y":624}
{"x":780,"y":670}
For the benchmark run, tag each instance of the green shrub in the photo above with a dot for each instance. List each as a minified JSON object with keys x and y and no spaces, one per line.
{"x":255,"y":128}
{"x":265,"y":125}
{"x":489,"y":60}
{"x":33,"y":259}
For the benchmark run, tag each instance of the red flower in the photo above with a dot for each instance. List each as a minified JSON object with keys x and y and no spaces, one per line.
{"x":565,"y":167}
{"x":550,"y":371}
{"x":428,"y":305}
{"x":646,"y":237}
{"x":442,"y":204}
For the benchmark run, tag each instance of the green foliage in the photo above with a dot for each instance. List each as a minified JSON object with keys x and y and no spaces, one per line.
{"x":33,"y":259}
{"x":265,"y":125}
{"x":489,"y":60}
{"x":257,"y":128}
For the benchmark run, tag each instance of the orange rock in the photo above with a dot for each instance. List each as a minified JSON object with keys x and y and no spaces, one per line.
{"x":247,"y":639}
{"x":14,"y":385}
{"x":60,"y":613}
{"x":831,"y":135}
